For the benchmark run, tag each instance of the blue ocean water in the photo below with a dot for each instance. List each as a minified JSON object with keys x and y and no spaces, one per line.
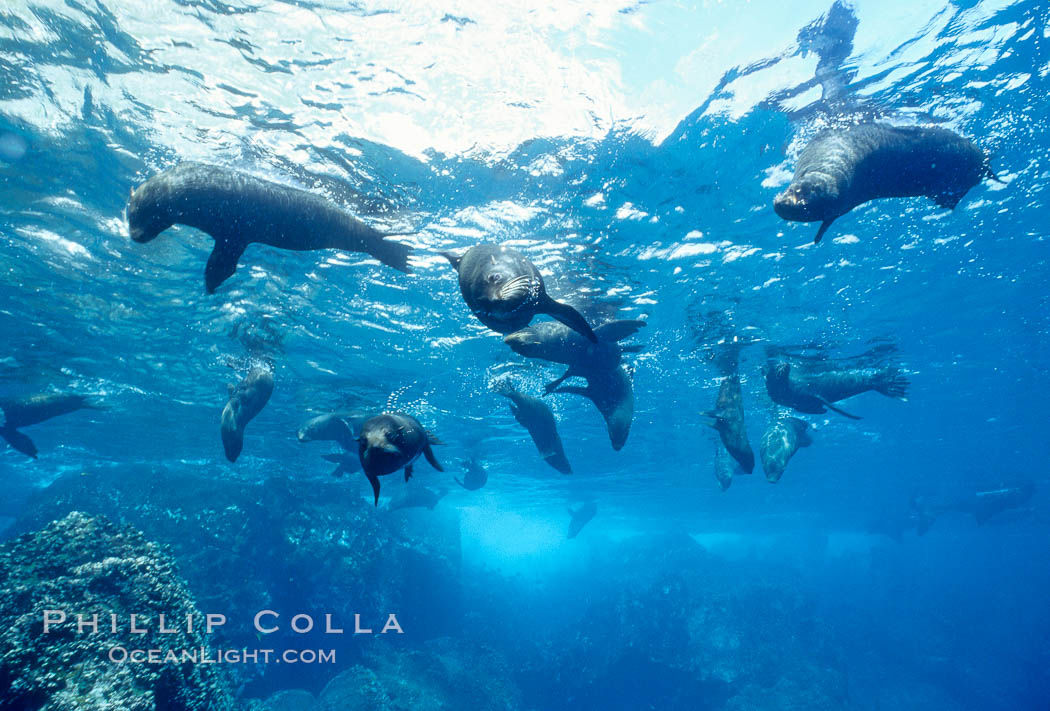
{"x":632,"y":151}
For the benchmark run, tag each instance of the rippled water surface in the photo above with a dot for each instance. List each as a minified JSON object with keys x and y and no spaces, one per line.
{"x":631,"y":149}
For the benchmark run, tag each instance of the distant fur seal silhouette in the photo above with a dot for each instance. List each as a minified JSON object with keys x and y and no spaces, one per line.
{"x":474,"y":477}
{"x":728,"y":420}
{"x":31,"y":410}
{"x":247,"y":400}
{"x":983,"y":504}
{"x":811,"y":388}
{"x":581,"y":517}
{"x":392,"y":441}
{"x":237,"y":209}
{"x":416,"y":497}
{"x":843,"y":168}
{"x":344,"y":463}
{"x":780,"y":442}
{"x":535,"y":416}
{"x":724,"y":467}
{"x":504,"y":290}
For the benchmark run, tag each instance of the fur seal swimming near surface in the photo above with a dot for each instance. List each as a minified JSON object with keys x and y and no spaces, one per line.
{"x":535,"y":416}
{"x":505,"y":290}
{"x":811,"y":388}
{"x":237,"y":209}
{"x":843,"y":168}
{"x":392,"y":441}
{"x":581,"y":517}
{"x":31,"y":410}
{"x":611,"y":392}
{"x":728,"y":420}
{"x":247,"y":400}
{"x":780,"y":442}
{"x":556,"y":342}
{"x":474,"y":477}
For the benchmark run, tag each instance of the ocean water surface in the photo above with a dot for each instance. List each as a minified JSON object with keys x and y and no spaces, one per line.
{"x":632,"y":151}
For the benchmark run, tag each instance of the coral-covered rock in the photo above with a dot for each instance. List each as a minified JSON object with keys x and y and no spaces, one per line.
{"x":84,"y":565}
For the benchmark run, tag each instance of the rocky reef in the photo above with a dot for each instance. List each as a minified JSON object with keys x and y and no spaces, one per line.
{"x":87,"y":565}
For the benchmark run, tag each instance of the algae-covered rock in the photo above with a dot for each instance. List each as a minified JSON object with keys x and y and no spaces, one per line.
{"x":83,"y":565}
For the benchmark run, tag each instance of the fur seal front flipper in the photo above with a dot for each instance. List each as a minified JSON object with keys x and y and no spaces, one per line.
{"x":823,"y":228}
{"x":567,"y":315}
{"x":19,"y":441}
{"x":222,"y":263}
{"x":837,"y":409}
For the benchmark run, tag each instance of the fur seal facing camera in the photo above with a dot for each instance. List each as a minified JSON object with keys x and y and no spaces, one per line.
{"x":728,"y":420}
{"x":812,"y":388}
{"x":505,"y":290}
{"x":247,"y":400}
{"x":785,"y":436}
{"x":237,"y":209}
{"x":843,"y":168}
{"x":535,"y":416}
{"x":34,"y":409}
{"x":392,"y":441}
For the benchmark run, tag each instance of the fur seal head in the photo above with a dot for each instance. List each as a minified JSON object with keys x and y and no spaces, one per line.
{"x":148,"y":214}
{"x":812,"y":198}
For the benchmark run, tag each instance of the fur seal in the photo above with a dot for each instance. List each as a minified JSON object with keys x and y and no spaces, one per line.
{"x":237,"y":209}
{"x":535,"y":416}
{"x":556,"y":342}
{"x":581,"y":517}
{"x":391,"y":441}
{"x":728,"y":420}
{"x":474,"y":477}
{"x":780,"y":442}
{"x":505,"y":290}
{"x":843,"y":168}
{"x":724,"y":467}
{"x":982,"y":505}
{"x":611,"y":392}
{"x":416,"y":497}
{"x":337,"y":427}
{"x":811,"y":388}
{"x":247,"y":400}
{"x":31,"y":410}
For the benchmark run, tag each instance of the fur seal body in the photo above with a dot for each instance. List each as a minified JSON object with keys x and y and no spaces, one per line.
{"x":813,"y":388}
{"x":247,"y":400}
{"x":581,"y":517}
{"x":558,"y":343}
{"x":611,"y":392}
{"x":780,"y":442}
{"x":982,"y":505}
{"x":416,"y":497}
{"x":337,"y":427}
{"x":843,"y":168}
{"x":237,"y":209}
{"x":535,"y":416}
{"x":475,"y":476}
{"x":504,"y":290}
{"x":728,"y":420}
{"x":34,"y":409}
{"x":393,"y":441}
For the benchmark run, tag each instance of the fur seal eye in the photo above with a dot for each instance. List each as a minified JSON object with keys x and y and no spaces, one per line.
{"x":495,"y":278}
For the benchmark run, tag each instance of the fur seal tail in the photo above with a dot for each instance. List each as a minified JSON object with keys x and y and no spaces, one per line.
{"x":894,"y":385}
{"x":19,"y":441}
{"x":569,"y":316}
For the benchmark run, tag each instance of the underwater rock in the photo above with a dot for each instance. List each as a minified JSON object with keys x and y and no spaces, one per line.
{"x":286,"y":700}
{"x":445,"y":673}
{"x":84,"y":565}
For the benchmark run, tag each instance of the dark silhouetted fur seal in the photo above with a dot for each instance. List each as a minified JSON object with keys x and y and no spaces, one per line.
{"x":581,"y":517}
{"x":391,"y":441}
{"x":611,"y":391}
{"x":505,"y":290}
{"x":843,"y":168}
{"x":535,"y":416}
{"x":339,"y":427}
{"x":416,"y":497}
{"x":247,"y":400}
{"x":728,"y":417}
{"x":812,"y":387}
{"x":237,"y":209}
{"x":780,"y":442}
{"x":31,"y":410}
{"x":474,"y":477}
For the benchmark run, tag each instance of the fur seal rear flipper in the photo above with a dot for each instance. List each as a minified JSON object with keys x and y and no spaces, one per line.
{"x":843,"y":168}
{"x":236,"y":209}
{"x":504,"y":290}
